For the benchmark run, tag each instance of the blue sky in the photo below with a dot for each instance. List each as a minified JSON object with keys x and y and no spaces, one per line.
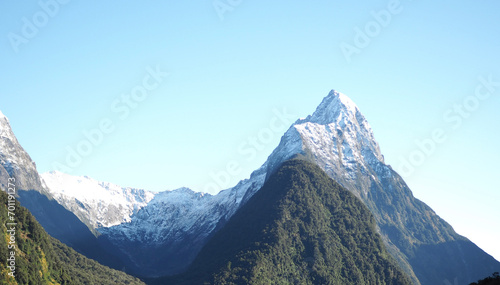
{"x":210,"y":77}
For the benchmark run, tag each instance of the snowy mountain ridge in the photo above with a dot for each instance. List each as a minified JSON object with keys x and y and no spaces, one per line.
{"x":176,"y":223}
{"x":98,"y":204}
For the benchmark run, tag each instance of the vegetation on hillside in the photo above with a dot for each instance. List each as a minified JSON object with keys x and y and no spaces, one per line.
{"x":41,"y":259}
{"x":300,"y":228}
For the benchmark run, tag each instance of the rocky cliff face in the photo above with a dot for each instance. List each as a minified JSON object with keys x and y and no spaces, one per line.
{"x":15,"y":162}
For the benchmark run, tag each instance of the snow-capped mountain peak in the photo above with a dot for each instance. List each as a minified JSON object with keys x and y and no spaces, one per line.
{"x":332,"y":107}
{"x":336,"y":135}
{"x":338,"y":115}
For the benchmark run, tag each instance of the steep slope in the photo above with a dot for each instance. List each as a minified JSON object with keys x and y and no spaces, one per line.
{"x":300,"y":228}
{"x":97,"y":204}
{"x":15,"y":162}
{"x":339,"y":139}
{"x":33,"y":194}
{"x":41,"y":259}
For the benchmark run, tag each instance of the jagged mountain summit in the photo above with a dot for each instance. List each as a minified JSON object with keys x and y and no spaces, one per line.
{"x":97,"y":204}
{"x":337,"y":136}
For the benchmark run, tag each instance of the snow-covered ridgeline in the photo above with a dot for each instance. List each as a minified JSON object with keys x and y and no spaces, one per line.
{"x":336,"y":134}
{"x":98,"y":204}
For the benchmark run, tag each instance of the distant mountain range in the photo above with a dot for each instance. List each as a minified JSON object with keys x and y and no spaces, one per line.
{"x":153,"y":235}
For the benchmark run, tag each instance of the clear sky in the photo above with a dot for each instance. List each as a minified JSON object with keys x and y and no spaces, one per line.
{"x":164,"y":95}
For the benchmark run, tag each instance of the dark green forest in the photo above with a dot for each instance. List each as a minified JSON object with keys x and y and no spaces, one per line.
{"x":41,"y":259}
{"x":300,"y":228}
